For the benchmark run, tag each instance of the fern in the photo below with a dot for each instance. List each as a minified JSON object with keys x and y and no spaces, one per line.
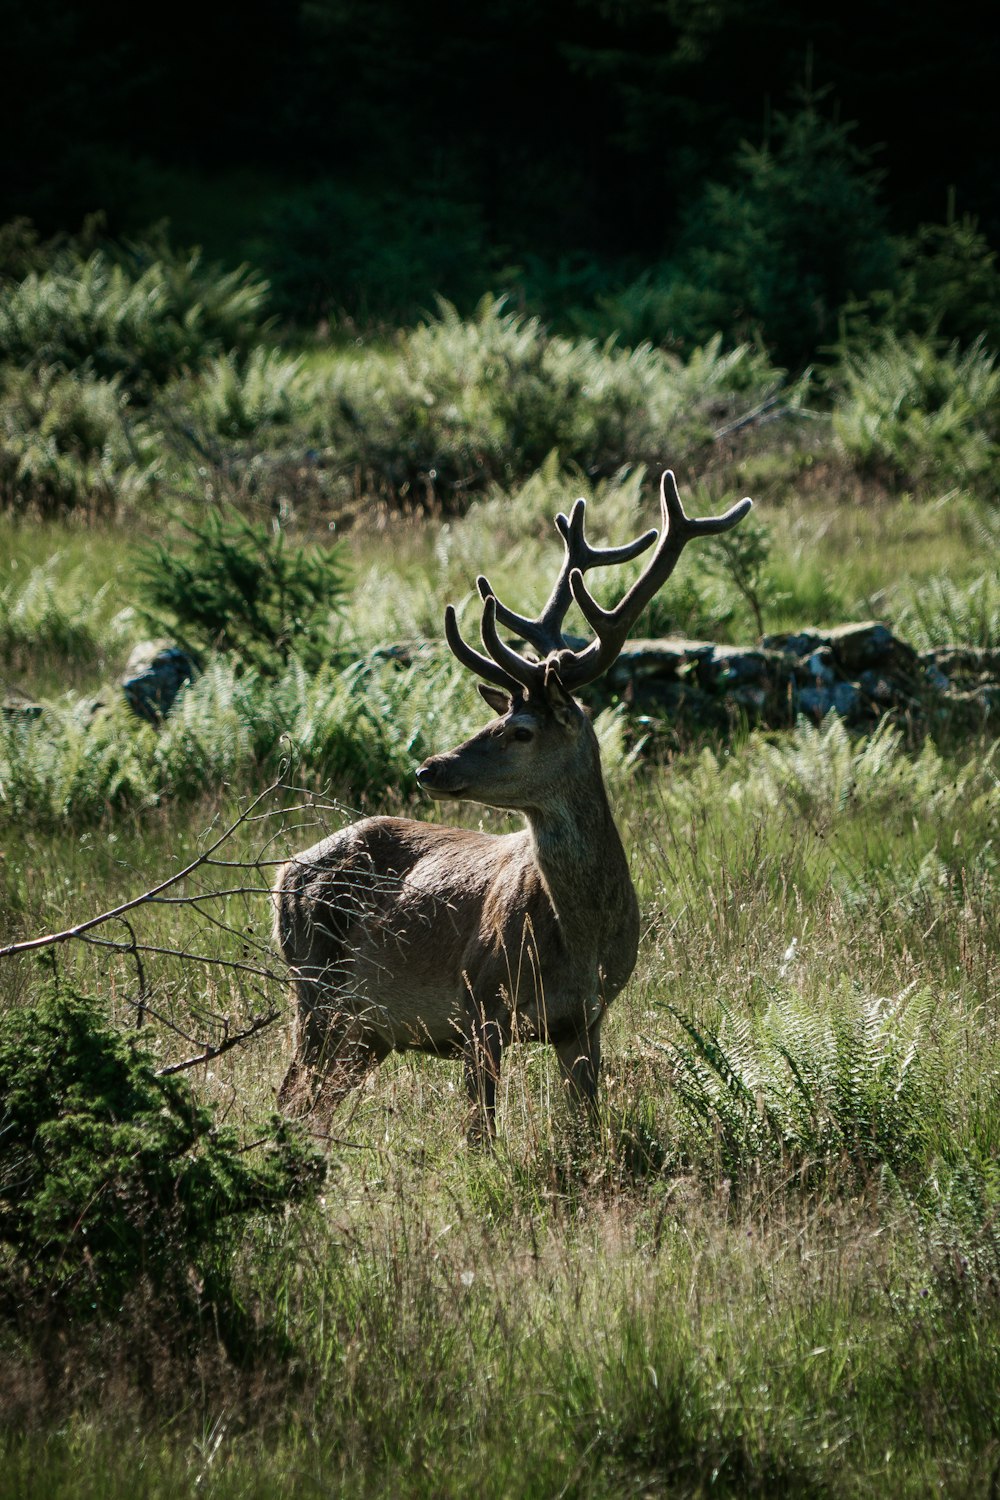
{"x":69,"y":441}
{"x":920,"y":413}
{"x":463,"y":403}
{"x":67,"y":617}
{"x":141,"y":316}
{"x":941,"y":612}
{"x":233,"y":398}
{"x":850,"y":1088}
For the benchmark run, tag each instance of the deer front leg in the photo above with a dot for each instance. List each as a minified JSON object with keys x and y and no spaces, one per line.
{"x":580,"y":1063}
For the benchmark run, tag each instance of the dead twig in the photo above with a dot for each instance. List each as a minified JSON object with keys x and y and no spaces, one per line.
{"x":211,"y":1050}
{"x":50,"y":939}
{"x":141,"y":1004}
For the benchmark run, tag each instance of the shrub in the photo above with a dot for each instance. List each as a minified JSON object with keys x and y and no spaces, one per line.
{"x":73,"y":764}
{"x":948,"y":285}
{"x":111,"y":1176}
{"x":328,"y":249}
{"x":941,"y":612}
{"x":238,"y":587}
{"x":236,"y":398}
{"x":462,"y":403}
{"x":778,"y":249}
{"x":360,"y":731}
{"x":69,"y":443}
{"x":21,"y":249}
{"x":39,"y":614}
{"x":851,"y":1091}
{"x":141,"y":315}
{"x":918,"y":413}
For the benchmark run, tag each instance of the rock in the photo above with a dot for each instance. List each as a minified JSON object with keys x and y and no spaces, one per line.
{"x":155,"y":674}
{"x":846,"y":699}
{"x":815,"y":701}
{"x":870,"y":644}
{"x":821,"y":667}
{"x":660,"y":659}
{"x":879,"y":687}
{"x":20,"y":710}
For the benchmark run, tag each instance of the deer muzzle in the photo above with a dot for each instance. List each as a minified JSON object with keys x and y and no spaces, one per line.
{"x":441,"y":777}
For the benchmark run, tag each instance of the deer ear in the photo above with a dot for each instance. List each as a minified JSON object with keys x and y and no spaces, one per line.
{"x":498,"y":700}
{"x":564,"y":708}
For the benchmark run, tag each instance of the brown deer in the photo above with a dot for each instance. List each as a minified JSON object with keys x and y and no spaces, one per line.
{"x":401,"y":934}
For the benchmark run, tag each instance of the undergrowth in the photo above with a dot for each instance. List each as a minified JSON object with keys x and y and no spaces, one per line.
{"x":784,"y":1234}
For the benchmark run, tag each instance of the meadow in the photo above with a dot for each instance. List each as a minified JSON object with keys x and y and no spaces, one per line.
{"x":774,"y":1268}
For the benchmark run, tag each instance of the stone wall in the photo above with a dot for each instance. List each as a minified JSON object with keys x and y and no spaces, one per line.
{"x":860,"y":671}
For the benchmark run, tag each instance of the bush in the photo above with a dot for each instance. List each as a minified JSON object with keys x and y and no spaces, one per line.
{"x":329,"y":250}
{"x":236,"y":398}
{"x":39,"y":614}
{"x":360,"y":732}
{"x":460,"y":404}
{"x":70,"y":443}
{"x":941,"y":612}
{"x":851,"y":1092}
{"x":73,"y":764}
{"x":140,"y":315}
{"x":948,"y":286}
{"x":111,"y":1176}
{"x":779,"y":249}
{"x":917,"y":413}
{"x":238,"y":587}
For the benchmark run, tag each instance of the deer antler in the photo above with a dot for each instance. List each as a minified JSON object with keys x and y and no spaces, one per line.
{"x":545,"y":631}
{"x":508,"y":669}
{"x":612,"y":626}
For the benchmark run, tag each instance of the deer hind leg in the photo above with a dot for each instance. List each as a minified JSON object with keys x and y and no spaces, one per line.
{"x":332,"y":1052}
{"x":483,"y":1054}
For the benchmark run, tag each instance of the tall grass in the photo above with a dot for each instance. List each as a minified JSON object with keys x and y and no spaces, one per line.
{"x":773,"y":1271}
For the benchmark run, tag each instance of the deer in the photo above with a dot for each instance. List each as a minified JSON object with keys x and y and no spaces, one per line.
{"x":401,"y":934}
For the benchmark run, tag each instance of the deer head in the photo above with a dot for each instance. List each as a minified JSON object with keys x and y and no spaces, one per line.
{"x":542,"y":734}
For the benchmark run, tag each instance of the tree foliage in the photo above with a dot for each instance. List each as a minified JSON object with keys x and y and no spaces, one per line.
{"x":573,"y":125}
{"x":781,"y":244}
{"x":111,"y":1176}
{"x":238,"y":587}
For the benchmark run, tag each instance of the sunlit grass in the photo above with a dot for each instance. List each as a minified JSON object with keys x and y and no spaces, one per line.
{"x":773,"y":1271}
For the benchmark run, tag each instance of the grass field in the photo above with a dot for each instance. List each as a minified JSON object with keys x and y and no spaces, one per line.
{"x":775,"y":1270}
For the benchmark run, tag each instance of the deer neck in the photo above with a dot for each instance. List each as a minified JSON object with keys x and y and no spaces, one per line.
{"x":582,"y":863}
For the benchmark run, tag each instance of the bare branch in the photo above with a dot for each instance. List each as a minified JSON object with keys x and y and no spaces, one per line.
{"x":198,"y":958}
{"x":140,"y":1010}
{"x":32,"y":945}
{"x":212,"y":1050}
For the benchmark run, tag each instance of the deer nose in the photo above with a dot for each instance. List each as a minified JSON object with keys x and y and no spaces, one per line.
{"x":429,"y":774}
{"x":437,"y":775}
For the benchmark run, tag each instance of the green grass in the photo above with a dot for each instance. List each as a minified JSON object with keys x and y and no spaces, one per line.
{"x":775,"y":1269}
{"x":747,"y":1285}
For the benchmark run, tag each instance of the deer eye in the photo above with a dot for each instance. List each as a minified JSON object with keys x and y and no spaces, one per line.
{"x":522,"y":733}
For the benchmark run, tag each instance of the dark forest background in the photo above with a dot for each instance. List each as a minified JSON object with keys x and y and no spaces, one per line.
{"x":370,"y":156}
